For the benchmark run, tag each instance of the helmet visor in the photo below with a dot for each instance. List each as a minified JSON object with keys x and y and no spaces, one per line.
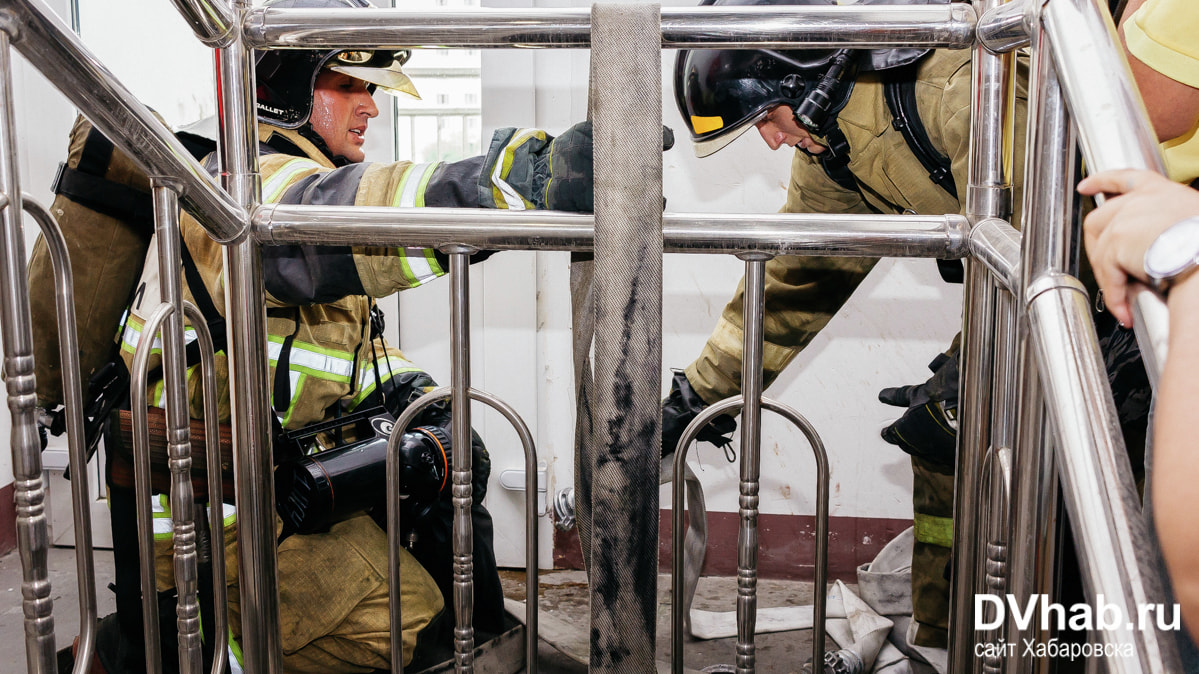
{"x":380,"y":68}
{"x":705,"y":145}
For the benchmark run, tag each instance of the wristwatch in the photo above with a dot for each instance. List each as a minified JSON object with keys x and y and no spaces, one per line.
{"x":1174,"y":254}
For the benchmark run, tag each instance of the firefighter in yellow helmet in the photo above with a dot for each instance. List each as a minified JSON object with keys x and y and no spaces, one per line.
{"x":328,"y":358}
{"x":842,"y":110}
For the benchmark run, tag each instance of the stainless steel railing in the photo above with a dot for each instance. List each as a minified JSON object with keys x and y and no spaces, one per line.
{"x":1054,"y":374}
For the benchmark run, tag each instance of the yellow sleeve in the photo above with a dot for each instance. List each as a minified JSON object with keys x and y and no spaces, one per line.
{"x":1164,"y":35}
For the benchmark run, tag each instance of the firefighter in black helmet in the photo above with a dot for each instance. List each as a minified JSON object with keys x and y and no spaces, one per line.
{"x":875,"y":131}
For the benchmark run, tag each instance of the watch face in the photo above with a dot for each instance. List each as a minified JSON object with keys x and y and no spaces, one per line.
{"x":1174,"y":250}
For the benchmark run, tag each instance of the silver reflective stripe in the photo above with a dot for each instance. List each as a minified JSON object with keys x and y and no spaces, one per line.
{"x":274,"y":187}
{"x":133,"y":336}
{"x":390,"y":365}
{"x":514,"y":200}
{"x":319,"y":362}
{"x":416,"y":177}
{"x":419,"y":269}
{"x":164,"y":526}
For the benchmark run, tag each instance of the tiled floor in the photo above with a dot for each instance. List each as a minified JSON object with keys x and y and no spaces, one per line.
{"x":562,"y":599}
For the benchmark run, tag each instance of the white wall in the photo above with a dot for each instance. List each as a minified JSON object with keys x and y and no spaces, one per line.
{"x":900,"y":318}
{"x":43,"y":119}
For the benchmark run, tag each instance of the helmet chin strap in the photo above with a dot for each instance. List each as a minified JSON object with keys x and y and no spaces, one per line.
{"x":313,"y":137}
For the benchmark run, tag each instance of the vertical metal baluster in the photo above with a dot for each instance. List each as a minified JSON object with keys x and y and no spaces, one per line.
{"x":249,"y":388}
{"x":460,"y":436}
{"x":1048,"y":176}
{"x":174,"y":368}
{"x":216,"y":519}
{"x":988,"y":194}
{"x":30,"y":490}
{"x":751,"y":462}
{"x":138,"y":378}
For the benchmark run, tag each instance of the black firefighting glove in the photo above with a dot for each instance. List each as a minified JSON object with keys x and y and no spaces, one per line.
{"x":684,"y":404}
{"x":928,"y":430}
{"x":528,"y":168}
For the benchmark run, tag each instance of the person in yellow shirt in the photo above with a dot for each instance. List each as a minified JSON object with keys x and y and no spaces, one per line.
{"x":1160,"y":39}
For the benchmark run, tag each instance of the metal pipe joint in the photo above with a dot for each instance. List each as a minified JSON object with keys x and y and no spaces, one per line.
{"x":996,"y":244}
{"x":1008,"y":26}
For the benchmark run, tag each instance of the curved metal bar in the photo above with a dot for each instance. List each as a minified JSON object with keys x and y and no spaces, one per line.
{"x":819,"y":597}
{"x":992,"y":528}
{"x":531,"y":544}
{"x":677,"y":611}
{"x":393,"y":519}
{"x":60,"y":56}
{"x":1112,"y":123}
{"x":68,"y":351}
{"x":874,"y":27}
{"x":216,"y":514}
{"x":138,"y":380}
{"x":212,"y":22}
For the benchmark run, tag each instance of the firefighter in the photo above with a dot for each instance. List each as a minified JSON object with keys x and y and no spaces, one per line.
{"x":842,"y":111}
{"x":327,"y":355}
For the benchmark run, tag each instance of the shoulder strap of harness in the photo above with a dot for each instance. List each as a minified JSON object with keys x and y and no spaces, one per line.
{"x":899,"y":90}
{"x":87,"y":186}
{"x":835,"y":160}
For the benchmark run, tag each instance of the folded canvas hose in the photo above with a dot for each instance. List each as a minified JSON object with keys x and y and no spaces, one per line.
{"x":618,"y":430}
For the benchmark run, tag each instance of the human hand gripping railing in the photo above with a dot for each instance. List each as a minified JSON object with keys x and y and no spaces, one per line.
{"x":68,"y":350}
{"x":460,"y":394}
{"x":750,"y":403}
{"x":1114,"y":129}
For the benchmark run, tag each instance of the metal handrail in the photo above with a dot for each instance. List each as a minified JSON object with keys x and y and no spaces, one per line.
{"x":778,"y":27}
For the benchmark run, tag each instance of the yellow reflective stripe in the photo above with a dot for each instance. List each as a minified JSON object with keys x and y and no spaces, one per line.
{"x":934,"y":530}
{"x":235,"y":664}
{"x":132,"y":336}
{"x":164,"y":526}
{"x":505,"y":195}
{"x":397,"y":198}
{"x":418,"y":265}
{"x":419,"y":200}
{"x":391,"y":366}
{"x":411,"y":190}
{"x":297,"y":380}
{"x":274,"y":187}
{"x":160,"y":513}
{"x":312,"y":359}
